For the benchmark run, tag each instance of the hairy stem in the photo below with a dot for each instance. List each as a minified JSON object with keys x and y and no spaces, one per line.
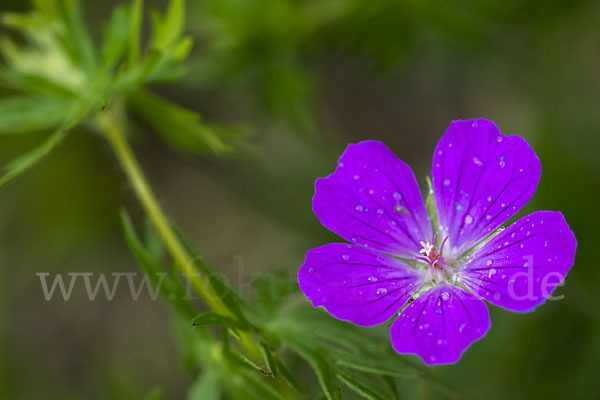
{"x":113,"y":133}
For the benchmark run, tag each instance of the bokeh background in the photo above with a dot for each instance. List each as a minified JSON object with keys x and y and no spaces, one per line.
{"x":302,"y":79}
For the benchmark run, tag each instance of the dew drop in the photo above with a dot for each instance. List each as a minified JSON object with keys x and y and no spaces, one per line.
{"x":442,"y":342}
{"x":521,"y":245}
{"x":499,"y":139}
{"x":489,"y":198}
{"x":359,"y":208}
{"x":371,"y":191}
{"x":503,"y":205}
{"x":423,"y":326}
{"x":502,"y":163}
{"x":491,"y":272}
{"x":397,"y":196}
{"x":488,"y":262}
{"x":381,"y":290}
{"x":356,"y":176}
{"x":345,"y":256}
{"x":379,"y":211}
{"x":468,"y":219}
{"x":445,"y":296}
{"x":372,"y":279}
{"x":311,"y":270}
{"x":477,"y":161}
{"x":488,"y":217}
{"x":446,"y":182}
{"x":546,"y":243}
{"x":462,"y":327}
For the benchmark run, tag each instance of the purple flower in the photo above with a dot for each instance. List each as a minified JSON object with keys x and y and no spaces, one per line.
{"x":436,"y":266}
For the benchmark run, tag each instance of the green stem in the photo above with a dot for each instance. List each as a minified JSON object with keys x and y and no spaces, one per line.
{"x":128,"y":162}
{"x":113,"y":133}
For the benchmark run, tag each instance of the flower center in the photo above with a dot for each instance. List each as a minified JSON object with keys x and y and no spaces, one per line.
{"x":438,"y":270}
{"x":431,"y":256}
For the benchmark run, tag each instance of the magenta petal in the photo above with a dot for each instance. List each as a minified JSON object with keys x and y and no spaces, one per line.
{"x":440,"y":324}
{"x":520,"y":267}
{"x":480,"y":179}
{"x":357,"y":284}
{"x":373,"y":200}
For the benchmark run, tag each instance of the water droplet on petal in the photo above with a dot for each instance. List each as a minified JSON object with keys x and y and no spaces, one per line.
{"x":445,"y":296}
{"x":372,"y":279}
{"x":489,"y":198}
{"x":488,"y":262}
{"x":468,"y":219}
{"x":356,"y":176}
{"x":442,"y":342}
{"x":446,"y":182}
{"x":477,"y":161}
{"x":311,"y":270}
{"x":379,"y":211}
{"x":546,"y":243}
{"x":521,"y":245}
{"x":491,"y":272}
{"x":462,"y":327}
{"x":499,"y":139}
{"x":381,"y":291}
{"x":359,"y":208}
{"x":397,"y":196}
{"x":345,"y":256}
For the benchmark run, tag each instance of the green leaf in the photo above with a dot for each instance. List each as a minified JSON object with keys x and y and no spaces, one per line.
{"x":207,"y":387}
{"x":179,"y":127}
{"x":29,"y":159}
{"x":77,"y":39}
{"x":210,"y":318}
{"x":291,"y":379}
{"x":149,"y":260}
{"x":244,"y":385}
{"x":149,"y":264}
{"x":115,"y":36}
{"x":391,"y":366}
{"x":135,"y":25}
{"x":166,"y":31}
{"x":28,"y":113}
{"x":245,"y":361}
{"x":367,"y":387}
{"x":323,"y":370}
{"x":268,"y":357}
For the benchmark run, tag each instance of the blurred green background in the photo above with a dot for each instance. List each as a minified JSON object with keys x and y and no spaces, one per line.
{"x":303,"y":78}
